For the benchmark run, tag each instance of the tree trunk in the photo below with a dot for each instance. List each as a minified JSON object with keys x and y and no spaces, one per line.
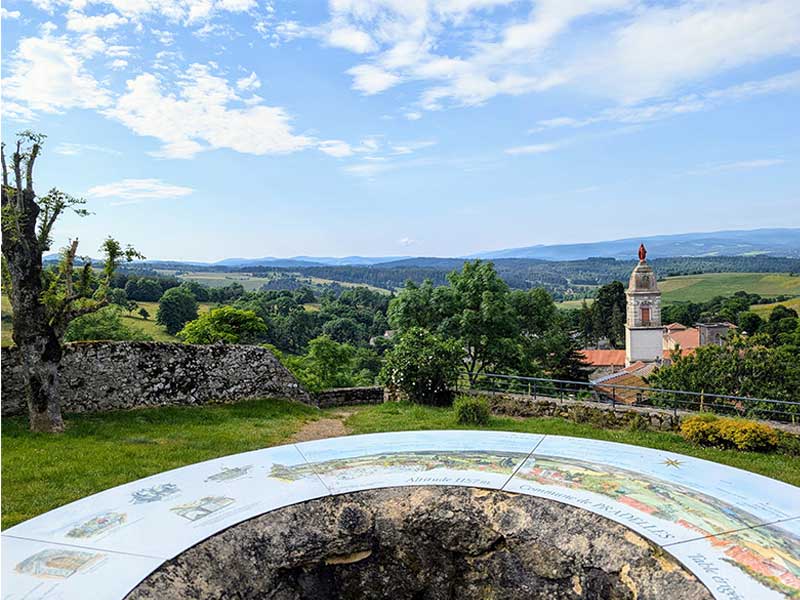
{"x":34,"y":335}
{"x":41,"y":358}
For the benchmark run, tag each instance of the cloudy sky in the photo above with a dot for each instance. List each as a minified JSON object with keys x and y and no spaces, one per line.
{"x":204,"y":129}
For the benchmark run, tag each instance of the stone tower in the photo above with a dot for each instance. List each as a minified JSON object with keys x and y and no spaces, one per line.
{"x":643,"y":332}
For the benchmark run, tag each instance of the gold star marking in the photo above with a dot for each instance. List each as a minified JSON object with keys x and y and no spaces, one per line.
{"x":672,"y":462}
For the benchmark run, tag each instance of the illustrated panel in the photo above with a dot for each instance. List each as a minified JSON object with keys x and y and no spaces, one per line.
{"x":36,"y":570}
{"x":462,"y":458}
{"x":164,"y":514}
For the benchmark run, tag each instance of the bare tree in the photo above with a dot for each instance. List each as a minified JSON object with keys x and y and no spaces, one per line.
{"x":45,"y":301}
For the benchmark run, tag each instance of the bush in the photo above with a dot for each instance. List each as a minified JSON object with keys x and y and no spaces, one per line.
{"x":748,"y":435}
{"x":471,"y":410}
{"x":105,"y":324}
{"x":224,"y":324}
{"x":423,"y":366}
{"x":709,"y":430}
{"x":176,"y":308}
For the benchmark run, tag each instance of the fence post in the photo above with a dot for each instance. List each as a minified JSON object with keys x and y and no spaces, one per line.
{"x":613,"y":397}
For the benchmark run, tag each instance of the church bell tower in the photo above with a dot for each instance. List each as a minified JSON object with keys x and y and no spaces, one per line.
{"x":643,"y":331}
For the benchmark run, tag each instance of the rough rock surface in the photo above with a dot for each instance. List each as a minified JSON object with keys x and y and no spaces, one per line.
{"x":98,"y":376}
{"x":424,"y":542}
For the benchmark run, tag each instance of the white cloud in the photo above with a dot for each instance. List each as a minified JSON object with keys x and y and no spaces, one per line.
{"x":413,"y":115}
{"x":351,"y":39}
{"x":741,"y":165}
{"x":9,"y":14}
{"x":406,"y":242}
{"x":704,"y":37}
{"x":48,"y":75}
{"x":118,"y":64}
{"x":691,"y":103}
{"x":166,"y":38}
{"x":198,"y":116}
{"x":634,"y":50}
{"x":72,"y":149}
{"x":77,"y":21}
{"x":411,"y":147}
{"x":336,"y":148}
{"x":371,"y":79}
{"x":248,"y":84}
{"x":532,"y":149}
{"x":133,"y":191}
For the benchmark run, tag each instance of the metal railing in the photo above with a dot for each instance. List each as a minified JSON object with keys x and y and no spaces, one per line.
{"x":614,"y":394}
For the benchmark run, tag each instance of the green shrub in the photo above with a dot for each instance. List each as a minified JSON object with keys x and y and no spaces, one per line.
{"x":788,"y":443}
{"x":472,"y":410}
{"x":423,"y":366}
{"x":709,"y":430}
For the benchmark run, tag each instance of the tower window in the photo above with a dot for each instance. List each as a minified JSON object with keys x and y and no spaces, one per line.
{"x":646,"y":314}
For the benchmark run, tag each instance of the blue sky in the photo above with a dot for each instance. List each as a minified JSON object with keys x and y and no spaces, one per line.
{"x":207,"y":129}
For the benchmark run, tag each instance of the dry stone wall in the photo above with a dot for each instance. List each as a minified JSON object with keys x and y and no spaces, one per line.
{"x":99,"y":376}
{"x":349,"y":396}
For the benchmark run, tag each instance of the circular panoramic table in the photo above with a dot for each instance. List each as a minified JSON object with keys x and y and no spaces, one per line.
{"x":737,"y":532}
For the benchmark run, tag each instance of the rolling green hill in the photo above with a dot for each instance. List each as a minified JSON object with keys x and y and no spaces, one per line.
{"x":701,"y":288}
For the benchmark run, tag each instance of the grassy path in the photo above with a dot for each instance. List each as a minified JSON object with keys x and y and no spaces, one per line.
{"x":41,"y":472}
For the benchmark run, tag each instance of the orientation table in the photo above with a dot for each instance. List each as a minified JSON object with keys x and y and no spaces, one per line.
{"x":738,"y":532}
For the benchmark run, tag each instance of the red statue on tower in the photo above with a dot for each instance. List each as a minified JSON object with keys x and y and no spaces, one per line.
{"x":642,"y":252}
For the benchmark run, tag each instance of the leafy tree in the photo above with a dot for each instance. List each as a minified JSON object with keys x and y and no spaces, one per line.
{"x":423,"y":366}
{"x":118,"y":296}
{"x":199,"y":291}
{"x":143,"y":290}
{"x":415,"y":306}
{"x":749,"y":322}
{"x":480,"y":316}
{"x":586,"y":324}
{"x":329,"y":364}
{"x":224,"y":324}
{"x":608,"y":312}
{"x":105,"y":324}
{"x":535,"y":310}
{"x":143,"y":312}
{"x":781,"y":312}
{"x":344,"y":330}
{"x":743,"y":367}
{"x":45,"y":302}
{"x":176,"y":308}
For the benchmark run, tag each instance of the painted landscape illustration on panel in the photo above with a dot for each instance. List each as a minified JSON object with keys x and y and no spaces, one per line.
{"x":765,"y":552}
{"x":493,"y":461}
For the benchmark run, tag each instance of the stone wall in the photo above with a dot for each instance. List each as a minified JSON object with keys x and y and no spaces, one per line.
{"x":584,"y":411}
{"x":349,"y":396}
{"x":98,"y":376}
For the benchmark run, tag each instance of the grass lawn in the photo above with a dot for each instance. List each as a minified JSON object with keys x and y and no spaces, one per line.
{"x":701,"y":288}
{"x":132,"y":320}
{"x":764,"y":310}
{"x":149,"y":325}
{"x":41,"y":472}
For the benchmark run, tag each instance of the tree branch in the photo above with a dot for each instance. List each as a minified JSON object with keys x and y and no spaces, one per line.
{"x":17,"y":158}
{"x":5,"y":167}
{"x":69,"y":260}
{"x":29,"y":167}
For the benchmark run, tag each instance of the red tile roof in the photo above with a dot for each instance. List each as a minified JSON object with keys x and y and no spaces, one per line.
{"x":632,"y":375}
{"x":685,"y":338}
{"x":604,"y":358}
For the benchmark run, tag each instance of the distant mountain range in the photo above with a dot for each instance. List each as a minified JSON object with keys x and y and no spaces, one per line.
{"x":782,"y":242}
{"x":778,"y":242}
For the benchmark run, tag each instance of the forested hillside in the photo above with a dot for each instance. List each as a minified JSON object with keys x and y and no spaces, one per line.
{"x":563,"y":279}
